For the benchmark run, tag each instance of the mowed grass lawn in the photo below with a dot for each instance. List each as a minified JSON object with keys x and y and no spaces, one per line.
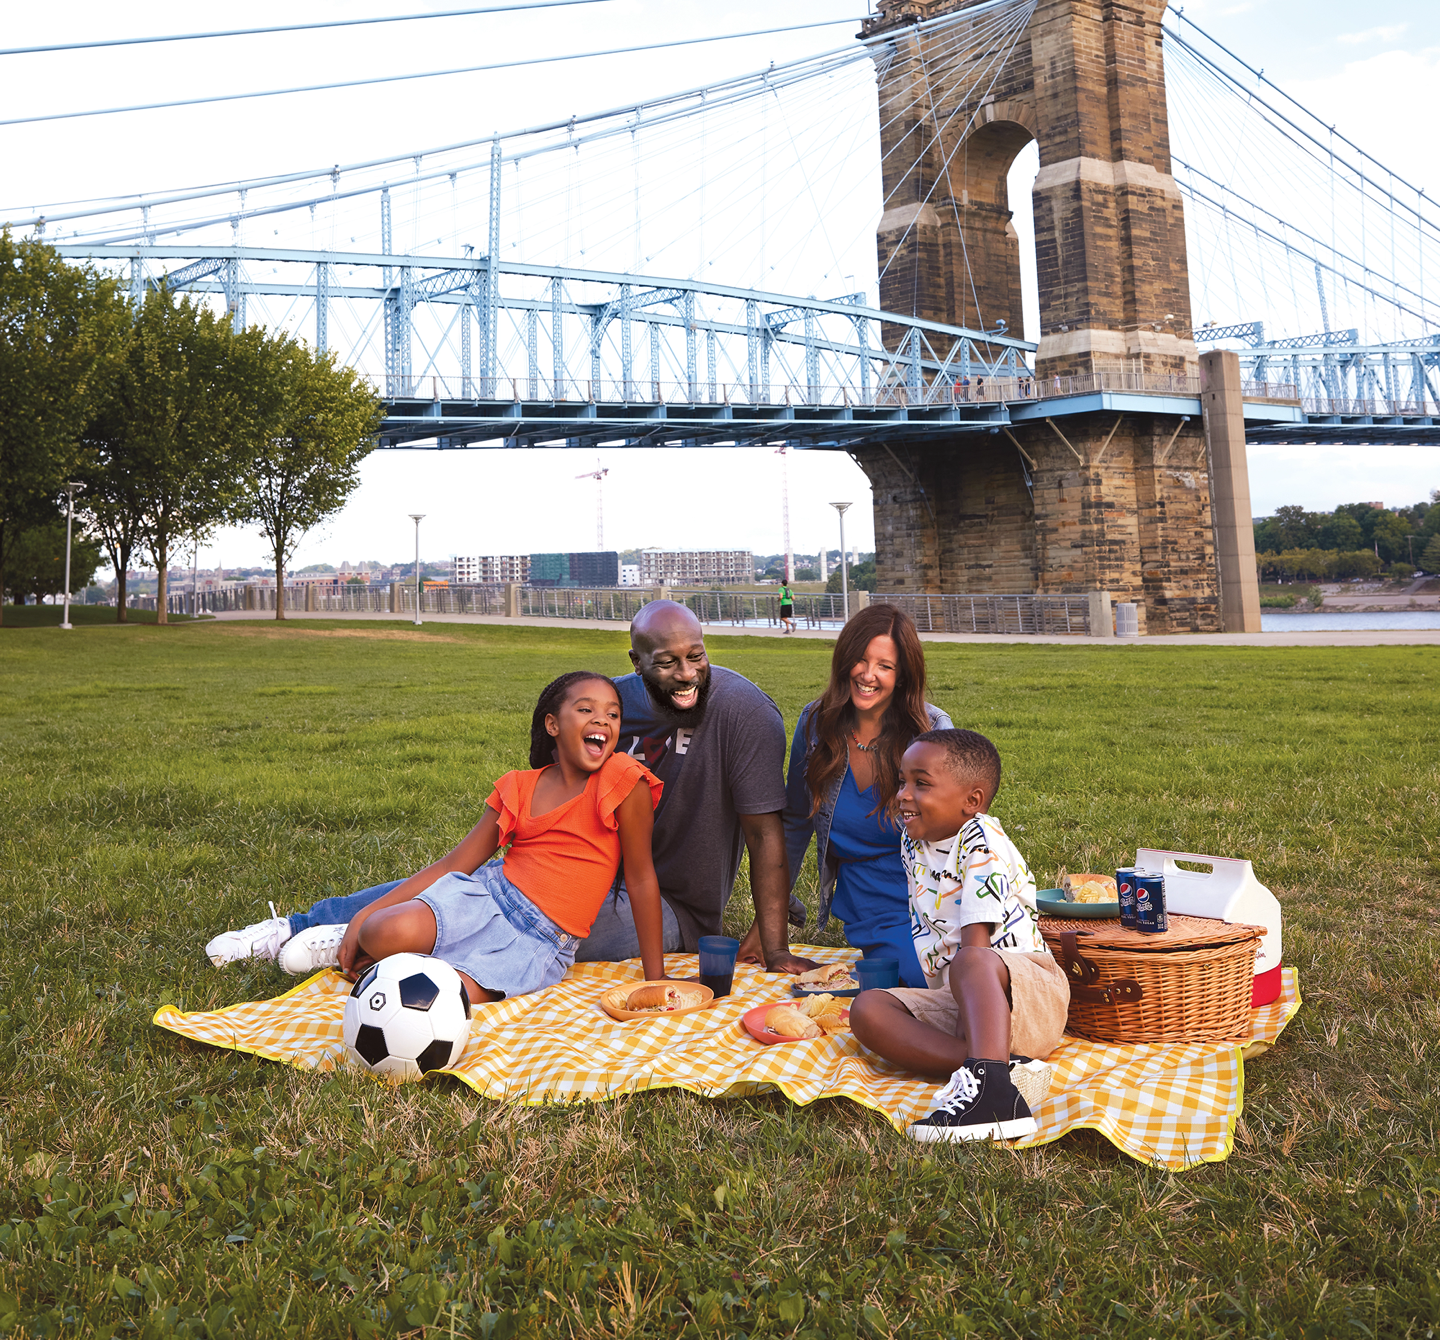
{"x":159,"y":784}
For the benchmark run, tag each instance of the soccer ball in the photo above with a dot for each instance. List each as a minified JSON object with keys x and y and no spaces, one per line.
{"x":406,"y":1016}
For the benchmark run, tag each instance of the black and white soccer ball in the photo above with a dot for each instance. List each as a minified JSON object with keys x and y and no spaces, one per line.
{"x":407,"y":1016}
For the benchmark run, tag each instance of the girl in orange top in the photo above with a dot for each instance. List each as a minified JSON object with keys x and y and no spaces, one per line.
{"x":511,"y":929}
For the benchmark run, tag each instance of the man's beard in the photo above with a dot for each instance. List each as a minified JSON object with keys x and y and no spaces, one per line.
{"x":665,"y":709}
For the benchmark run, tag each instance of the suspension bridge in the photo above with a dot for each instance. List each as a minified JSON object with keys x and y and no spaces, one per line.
{"x":647,"y":275}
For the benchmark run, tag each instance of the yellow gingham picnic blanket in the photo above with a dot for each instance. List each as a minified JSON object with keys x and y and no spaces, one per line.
{"x":1175,"y":1106}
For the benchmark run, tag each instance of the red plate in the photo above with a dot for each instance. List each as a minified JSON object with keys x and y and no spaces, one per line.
{"x":754,"y":1021}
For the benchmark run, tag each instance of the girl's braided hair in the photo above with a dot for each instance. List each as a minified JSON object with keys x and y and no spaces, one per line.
{"x":552,"y":698}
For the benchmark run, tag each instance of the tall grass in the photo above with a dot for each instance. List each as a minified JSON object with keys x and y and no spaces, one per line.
{"x":158,"y":785}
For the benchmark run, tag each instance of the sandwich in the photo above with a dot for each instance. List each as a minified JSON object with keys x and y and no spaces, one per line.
{"x":789,"y":1022}
{"x":828,"y":977}
{"x":661,"y":998}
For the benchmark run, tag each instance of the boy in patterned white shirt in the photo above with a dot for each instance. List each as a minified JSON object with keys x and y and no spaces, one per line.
{"x":994,"y":988}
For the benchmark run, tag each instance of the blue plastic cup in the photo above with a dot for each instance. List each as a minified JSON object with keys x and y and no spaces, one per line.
{"x":875,"y":974}
{"x":717,"y":963}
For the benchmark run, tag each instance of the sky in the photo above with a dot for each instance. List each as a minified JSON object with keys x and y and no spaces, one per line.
{"x":1343,"y":61}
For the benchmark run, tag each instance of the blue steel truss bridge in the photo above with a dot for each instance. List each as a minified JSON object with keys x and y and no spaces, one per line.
{"x":471,"y":348}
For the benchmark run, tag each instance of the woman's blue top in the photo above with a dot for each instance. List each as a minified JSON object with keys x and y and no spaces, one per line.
{"x":872,"y":897}
{"x":801,"y":826}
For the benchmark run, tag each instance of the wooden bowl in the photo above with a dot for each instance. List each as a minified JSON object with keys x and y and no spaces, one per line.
{"x":613,"y":1000}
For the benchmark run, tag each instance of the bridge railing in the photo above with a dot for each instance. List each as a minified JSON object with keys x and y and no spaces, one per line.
{"x":1286,"y":391}
{"x":932,"y":392}
{"x":1350,"y":407}
{"x":993,"y":614}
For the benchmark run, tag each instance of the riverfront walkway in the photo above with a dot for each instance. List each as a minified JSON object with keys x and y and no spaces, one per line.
{"x":1376,"y":637}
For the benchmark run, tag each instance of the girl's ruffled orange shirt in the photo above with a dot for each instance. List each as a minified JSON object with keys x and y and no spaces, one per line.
{"x":565,"y":861}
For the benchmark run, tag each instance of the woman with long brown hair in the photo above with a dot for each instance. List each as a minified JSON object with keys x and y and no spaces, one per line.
{"x":843,"y":776}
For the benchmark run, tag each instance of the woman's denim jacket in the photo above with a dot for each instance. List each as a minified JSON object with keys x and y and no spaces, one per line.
{"x":800,"y":823}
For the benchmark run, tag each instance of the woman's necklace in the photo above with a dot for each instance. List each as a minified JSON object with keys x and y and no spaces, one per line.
{"x":870,"y":748}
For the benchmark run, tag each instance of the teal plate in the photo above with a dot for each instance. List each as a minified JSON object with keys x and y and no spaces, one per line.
{"x":1052,"y":903}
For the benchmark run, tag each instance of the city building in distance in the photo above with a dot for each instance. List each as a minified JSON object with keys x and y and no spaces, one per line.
{"x":696,"y":567}
{"x":596,"y":568}
{"x":475,"y":570}
{"x":629,"y":574}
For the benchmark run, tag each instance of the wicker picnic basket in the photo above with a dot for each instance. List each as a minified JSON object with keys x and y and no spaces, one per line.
{"x":1190,"y":983}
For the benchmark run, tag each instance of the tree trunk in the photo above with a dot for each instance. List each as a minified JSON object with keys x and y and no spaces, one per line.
{"x":120,"y":561}
{"x":162,"y":584}
{"x":279,"y":588}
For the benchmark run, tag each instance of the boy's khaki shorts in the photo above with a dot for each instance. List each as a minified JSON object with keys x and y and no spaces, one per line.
{"x":1039,"y":1004}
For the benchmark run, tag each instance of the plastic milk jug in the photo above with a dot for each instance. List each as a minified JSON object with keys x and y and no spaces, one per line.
{"x":1229,"y":892}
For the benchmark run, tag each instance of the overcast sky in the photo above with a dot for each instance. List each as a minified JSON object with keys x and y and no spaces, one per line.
{"x":1370,"y":69}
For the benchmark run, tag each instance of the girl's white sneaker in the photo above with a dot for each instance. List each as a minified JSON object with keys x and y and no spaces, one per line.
{"x":309,"y":951}
{"x":262,"y":941}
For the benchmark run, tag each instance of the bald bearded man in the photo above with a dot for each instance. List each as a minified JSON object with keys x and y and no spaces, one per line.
{"x":718,"y":744}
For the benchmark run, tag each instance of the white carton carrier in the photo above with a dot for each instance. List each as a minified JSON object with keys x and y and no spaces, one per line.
{"x":1228,"y":892}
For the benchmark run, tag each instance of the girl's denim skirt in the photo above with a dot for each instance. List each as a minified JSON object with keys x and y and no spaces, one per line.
{"x":488,"y":929}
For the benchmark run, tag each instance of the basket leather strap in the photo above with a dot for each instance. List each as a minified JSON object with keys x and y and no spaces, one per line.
{"x":1083,"y":974}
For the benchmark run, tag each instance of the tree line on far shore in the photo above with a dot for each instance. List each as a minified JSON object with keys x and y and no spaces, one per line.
{"x":1355,"y":540}
{"x":173,"y":423}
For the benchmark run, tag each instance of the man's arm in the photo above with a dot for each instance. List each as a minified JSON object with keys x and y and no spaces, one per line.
{"x":770,"y":886}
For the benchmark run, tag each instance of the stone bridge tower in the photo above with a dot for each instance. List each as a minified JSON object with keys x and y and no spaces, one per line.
{"x":1085,"y":502}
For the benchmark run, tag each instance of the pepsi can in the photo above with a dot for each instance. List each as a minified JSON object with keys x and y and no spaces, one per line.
{"x":1125,"y":891}
{"x":1150,"y":902}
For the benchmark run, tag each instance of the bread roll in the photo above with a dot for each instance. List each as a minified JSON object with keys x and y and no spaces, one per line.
{"x":790,"y":1023}
{"x":660,"y":996}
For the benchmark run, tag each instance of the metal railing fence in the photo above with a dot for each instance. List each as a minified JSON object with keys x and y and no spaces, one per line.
{"x":993,"y":614}
{"x":944,"y":613}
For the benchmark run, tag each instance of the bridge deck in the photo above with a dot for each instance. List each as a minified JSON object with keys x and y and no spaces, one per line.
{"x":445,"y":424}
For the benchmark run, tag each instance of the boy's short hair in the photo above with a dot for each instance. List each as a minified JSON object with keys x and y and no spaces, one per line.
{"x":968,"y":754}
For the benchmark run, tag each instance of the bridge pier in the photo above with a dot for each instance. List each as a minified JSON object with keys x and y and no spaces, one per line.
{"x":1078,"y":502}
{"x":1085,"y":505}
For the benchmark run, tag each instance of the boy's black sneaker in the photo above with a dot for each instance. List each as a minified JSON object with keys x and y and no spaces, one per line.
{"x":979,"y":1103}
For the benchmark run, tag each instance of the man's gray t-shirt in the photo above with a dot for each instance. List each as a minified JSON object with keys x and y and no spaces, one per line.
{"x":731,"y":764}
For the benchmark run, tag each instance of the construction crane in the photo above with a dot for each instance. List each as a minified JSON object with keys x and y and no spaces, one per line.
{"x":598,"y":475}
{"x":785,"y":510}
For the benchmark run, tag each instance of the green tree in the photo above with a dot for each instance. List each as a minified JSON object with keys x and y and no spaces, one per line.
{"x":112,"y":499}
{"x":1268,"y":537}
{"x":62,"y":334}
{"x":1431,"y":523}
{"x":1388,"y":536}
{"x":306,"y":461}
{"x":178,"y":426}
{"x":1340,"y":531}
{"x":1354,"y":563}
{"x":36,"y":566}
{"x":1430,"y":559}
{"x":861,"y":576}
{"x":1296,"y":527}
{"x":1366,"y":515}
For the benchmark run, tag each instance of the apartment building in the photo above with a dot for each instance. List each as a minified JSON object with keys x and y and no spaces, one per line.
{"x":479,"y":570}
{"x":696,"y":567}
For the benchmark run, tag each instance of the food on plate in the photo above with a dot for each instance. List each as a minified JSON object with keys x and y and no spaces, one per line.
{"x":826,"y":1011}
{"x":1089,"y":888}
{"x":828,"y":977}
{"x":789,"y":1022}
{"x":661,"y":998}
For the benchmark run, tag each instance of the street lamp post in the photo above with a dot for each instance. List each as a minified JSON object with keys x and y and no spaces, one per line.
{"x":70,"y":491}
{"x":417,"y":518}
{"x":844,"y":567}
